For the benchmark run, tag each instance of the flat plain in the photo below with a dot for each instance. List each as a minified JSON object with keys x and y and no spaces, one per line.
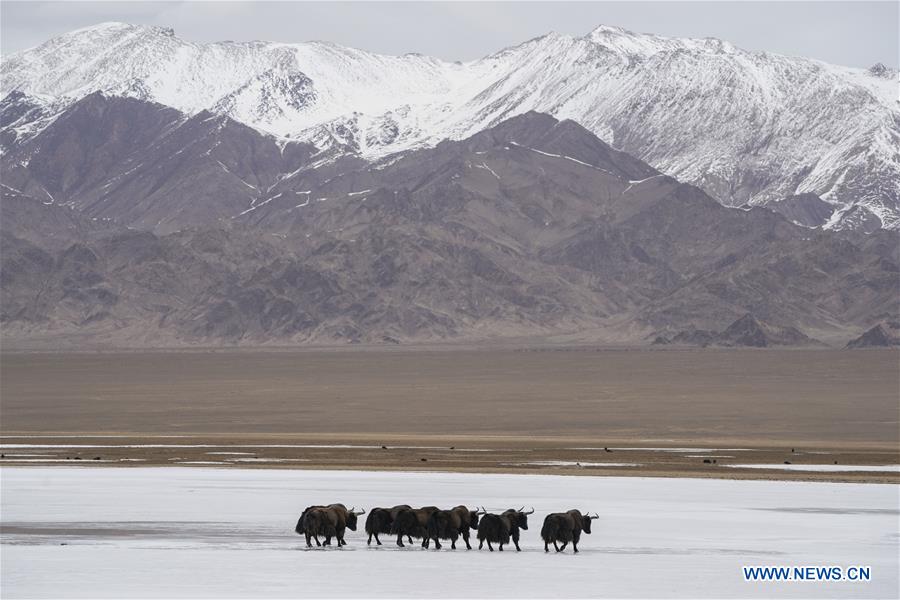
{"x":663,"y":412}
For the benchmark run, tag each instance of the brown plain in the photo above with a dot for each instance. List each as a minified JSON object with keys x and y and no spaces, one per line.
{"x":546,"y":402}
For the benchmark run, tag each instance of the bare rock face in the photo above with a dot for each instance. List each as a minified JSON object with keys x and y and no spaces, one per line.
{"x":125,"y":223}
{"x":880,"y":70}
{"x":883,"y":335}
{"x":147,"y":165}
{"x":747,"y":332}
{"x":807,"y":209}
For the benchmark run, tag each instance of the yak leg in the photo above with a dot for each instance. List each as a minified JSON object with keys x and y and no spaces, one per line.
{"x":308,"y":541}
{"x":466,"y":540}
{"x":491,"y":548}
{"x":409,"y":539}
{"x":437,"y":544}
{"x":318,"y":543}
{"x":546,"y":546}
{"x":575,"y":539}
{"x":453,"y":544}
{"x":516,"y":542}
{"x":369,"y":543}
{"x":377,"y":541}
{"x":563,"y":547}
{"x":501,"y":547}
{"x":425,"y":542}
{"x":480,"y":544}
{"x":400,"y":540}
{"x":555,"y":545}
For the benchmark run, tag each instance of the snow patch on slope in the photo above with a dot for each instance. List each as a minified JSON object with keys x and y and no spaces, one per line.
{"x":747,"y":127}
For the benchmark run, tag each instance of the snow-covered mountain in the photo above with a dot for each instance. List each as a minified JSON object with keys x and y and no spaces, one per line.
{"x":749,"y":128}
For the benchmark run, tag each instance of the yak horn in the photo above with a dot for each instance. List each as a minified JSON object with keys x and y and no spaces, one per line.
{"x":596,"y":516}
{"x":362,"y":512}
{"x":529,"y":512}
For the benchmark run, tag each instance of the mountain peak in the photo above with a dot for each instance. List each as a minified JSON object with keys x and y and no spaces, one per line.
{"x":608,"y":30}
{"x":633,"y":43}
{"x":105,"y":26}
{"x":123,"y":26}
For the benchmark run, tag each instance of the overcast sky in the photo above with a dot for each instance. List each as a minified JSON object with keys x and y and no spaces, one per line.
{"x":849,"y":32}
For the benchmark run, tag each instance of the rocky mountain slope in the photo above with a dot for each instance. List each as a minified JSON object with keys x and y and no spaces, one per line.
{"x":200,"y":230}
{"x":747,"y":331}
{"x":748,"y":128}
{"x":883,"y":335}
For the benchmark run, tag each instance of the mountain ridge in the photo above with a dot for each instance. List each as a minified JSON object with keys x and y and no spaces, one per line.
{"x":532,"y":229}
{"x":749,"y":128}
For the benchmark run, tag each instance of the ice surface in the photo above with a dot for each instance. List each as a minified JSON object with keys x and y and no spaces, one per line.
{"x":205,"y":532}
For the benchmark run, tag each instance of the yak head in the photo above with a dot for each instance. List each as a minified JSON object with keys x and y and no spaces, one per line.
{"x":353,"y":517}
{"x":586,"y":522}
{"x":521,"y":517}
{"x":473,"y":518}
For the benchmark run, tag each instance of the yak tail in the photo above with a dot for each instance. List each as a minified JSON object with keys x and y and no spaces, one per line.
{"x":371,"y":526}
{"x":549,"y":530}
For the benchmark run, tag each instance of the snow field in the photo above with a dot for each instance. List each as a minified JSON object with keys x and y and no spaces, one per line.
{"x":198,"y":532}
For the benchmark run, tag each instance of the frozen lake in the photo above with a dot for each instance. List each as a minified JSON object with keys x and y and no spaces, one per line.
{"x":100,"y":532}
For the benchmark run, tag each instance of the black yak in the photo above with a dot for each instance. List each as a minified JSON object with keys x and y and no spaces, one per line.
{"x":316,"y":521}
{"x":499,"y":529}
{"x":412,"y":522}
{"x":451,"y":525}
{"x":329,"y":521}
{"x":565,"y":527}
{"x":380,"y":521}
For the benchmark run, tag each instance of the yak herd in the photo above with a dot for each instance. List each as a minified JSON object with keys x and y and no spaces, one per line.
{"x":431,"y":524}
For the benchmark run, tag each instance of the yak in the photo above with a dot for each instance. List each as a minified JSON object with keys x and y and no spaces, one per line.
{"x":380,"y":520}
{"x":316,"y":521}
{"x":565,"y":527}
{"x":329,"y":521}
{"x":452,"y":524}
{"x":412,"y":522}
{"x":499,"y":529}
